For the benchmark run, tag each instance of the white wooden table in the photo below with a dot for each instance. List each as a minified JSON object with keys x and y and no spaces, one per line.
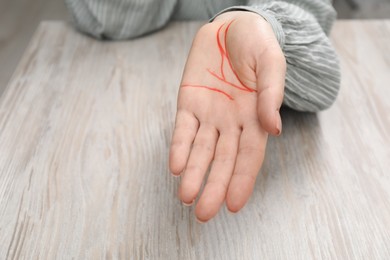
{"x":84,"y":138}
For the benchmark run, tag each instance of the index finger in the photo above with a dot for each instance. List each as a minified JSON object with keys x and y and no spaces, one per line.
{"x":186,"y":127}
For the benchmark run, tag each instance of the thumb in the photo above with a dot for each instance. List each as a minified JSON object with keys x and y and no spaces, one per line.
{"x":270,"y":73}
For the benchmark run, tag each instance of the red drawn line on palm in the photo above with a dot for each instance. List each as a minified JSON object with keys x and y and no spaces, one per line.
{"x":222,"y":78}
{"x":210,"y":88}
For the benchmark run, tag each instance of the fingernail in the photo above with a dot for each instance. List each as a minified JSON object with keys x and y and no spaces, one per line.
{"x":278,"y":131}
{"x":177,"y":175}
{"x":231,"y":212}
{"x":278,"y":124}
{"x":188,"y":204}
{"x":200,"y":221}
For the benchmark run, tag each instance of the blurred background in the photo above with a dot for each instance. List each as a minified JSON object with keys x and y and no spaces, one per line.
{"x":20,"y":18}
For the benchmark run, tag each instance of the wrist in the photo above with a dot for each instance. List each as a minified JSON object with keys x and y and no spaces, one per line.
{"x":237,"y":15}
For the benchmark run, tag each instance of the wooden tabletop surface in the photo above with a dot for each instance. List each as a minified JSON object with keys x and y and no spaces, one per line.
{"x":85,"y":128}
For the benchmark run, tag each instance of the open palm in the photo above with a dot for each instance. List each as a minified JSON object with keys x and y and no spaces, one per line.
{"x":231,"y":91}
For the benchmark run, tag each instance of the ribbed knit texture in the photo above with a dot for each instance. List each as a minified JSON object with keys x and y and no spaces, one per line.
{"x":301,"y":27}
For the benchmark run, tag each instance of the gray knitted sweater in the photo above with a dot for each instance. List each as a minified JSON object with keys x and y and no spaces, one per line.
{"x":301,"y":27}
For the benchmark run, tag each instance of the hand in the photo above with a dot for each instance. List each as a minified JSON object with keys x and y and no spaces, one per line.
{"x":229,"y":100}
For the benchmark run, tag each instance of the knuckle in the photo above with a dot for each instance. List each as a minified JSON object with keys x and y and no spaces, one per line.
{"x":224,"y":158}
{"x":251,"y":177}
{"x":204,"y":145}
{"x":215,"y":185}
{"x":184,"y":126}
{"x":176,"y":144}
{"x":265,"y":89}
{"x":194,"y":168}
{"x":248,"y":149}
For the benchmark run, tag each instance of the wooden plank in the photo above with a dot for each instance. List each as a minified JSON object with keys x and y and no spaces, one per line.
{"x":85,"y":128}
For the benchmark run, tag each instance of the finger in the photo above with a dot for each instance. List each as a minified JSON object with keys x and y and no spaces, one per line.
{"x":184,"y":133}
{"x":271,"y":74}
{"x":215,"y":190}
{"x":201,"y":155}
{"x":249,"y":160}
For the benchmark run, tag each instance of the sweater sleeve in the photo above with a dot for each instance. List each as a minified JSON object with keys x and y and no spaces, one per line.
{"x":301,"y":27}
{"x":120,"y":19}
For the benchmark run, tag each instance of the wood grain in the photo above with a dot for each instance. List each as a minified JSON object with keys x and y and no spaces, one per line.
{"x":85,"y":128}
